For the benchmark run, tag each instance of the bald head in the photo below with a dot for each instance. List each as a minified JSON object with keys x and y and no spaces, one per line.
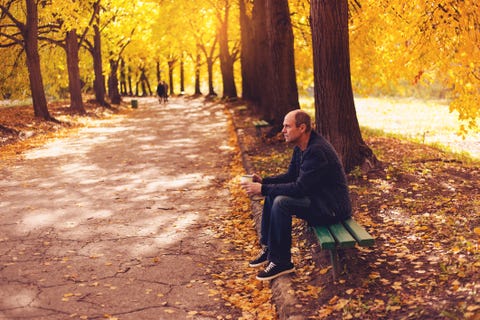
{"x":297,"y":127}
{"x":301,"y":117}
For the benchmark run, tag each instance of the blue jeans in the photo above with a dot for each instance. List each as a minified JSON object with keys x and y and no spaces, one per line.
{"x":276,"y":227}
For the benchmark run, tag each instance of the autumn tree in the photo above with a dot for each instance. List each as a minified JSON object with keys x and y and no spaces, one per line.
{"x":75,"y":87}
{"x":273,"y":69}
{"x":94,"y":46}
{"x":22,"y":30}
{"x":227,"y":55}
{"x":335,"y":115}
{"x":248,"y":42}
{"x":65,"y":20}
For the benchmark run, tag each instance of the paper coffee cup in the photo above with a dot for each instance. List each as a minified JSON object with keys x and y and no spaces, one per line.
{"x":246,"y":178}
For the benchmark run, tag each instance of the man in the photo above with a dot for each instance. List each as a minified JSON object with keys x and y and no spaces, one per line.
{"x":314,"y":188}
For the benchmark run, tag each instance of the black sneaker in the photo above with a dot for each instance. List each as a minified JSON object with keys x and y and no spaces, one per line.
{"x":272,"y":271}
{"x":261,"y":259}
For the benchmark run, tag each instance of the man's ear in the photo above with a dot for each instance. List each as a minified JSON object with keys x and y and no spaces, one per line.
{"x":303,"y":127}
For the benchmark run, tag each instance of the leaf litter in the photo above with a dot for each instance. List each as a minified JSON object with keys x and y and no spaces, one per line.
{"x":423,"y":211}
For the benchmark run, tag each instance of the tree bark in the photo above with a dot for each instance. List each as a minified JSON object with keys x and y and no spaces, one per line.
{"x":99,"y":80}
{"x":260,"y":55}
{"x":282,"y":75}
{"x":30,"y":34}
{"x":145,"y":84}
{"x":335,"y":115}
{"x":275,"y":86}
{"x":171,"y":66}
{"x":197,"y":75}
{"x":123,"y":78}
{"x":113,"y":92}
{"x":182,"y":76}
{"x":247,"y":53}
{"x":226,"y":58}
{"x":211,"y":90}
{"x":74,"y":84}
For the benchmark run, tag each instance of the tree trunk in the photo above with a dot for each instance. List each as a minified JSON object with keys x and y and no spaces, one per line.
{"x":171,"y":65}
{"x":123,"y":78}
{"x":146,"y":88}
{"x":158,"y":72}
{"x":113,"y":91}
{"x":211,"y":90}
{"x":247,"y":53}
{"x":260,"y":55}
{"x":226,"y":59}
{"x":182,"y":76}
{"x":129,"y":77}
{"x":282,"y":76}
{"x":335,"y":114}
{"x":197,"y":75}
{"x":74,"y":84}
{"x":30,"y":34}
{"x":99,"y":80}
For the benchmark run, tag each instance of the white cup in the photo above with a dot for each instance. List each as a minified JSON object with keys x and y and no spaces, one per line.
{"x":246,"y":178}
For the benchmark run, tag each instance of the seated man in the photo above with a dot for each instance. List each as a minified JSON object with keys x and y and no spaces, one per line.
{"x":314,"y":189}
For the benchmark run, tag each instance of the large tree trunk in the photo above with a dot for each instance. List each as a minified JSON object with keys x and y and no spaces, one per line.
{"x":261,"y":90}
{"x":335,"y":114}
{"x":247,"y":53}
{"x":30,"y":34}
{"x":113,"y":92}
{"x":99,"y":81}
{"x":74,"y":85}
{"x":275,"y":80}
{"x":226,"y":59}
{"x":282,"y":63}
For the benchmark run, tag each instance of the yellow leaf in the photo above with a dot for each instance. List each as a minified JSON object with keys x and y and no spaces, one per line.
{"x":325,"y":270}
{"x":477,"y":230}
{"x":341,"y":304}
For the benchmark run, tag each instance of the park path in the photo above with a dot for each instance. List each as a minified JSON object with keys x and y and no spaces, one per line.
{"x":114,"y":221}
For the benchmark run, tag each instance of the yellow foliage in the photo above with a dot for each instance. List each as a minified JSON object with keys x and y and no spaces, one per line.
{"x":425,"y":46}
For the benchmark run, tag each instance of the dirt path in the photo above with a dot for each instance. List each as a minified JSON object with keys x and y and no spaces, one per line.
{"x":114,"y":221}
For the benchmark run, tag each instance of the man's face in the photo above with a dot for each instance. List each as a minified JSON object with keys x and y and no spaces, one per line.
{"x":290,"y":131}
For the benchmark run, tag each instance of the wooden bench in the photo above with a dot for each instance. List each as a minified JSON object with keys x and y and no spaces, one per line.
{"x":341,"y":235}
{"x":259,"y":124}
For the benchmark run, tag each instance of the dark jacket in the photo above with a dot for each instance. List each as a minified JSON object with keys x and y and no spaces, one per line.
{"x":316,"y":173}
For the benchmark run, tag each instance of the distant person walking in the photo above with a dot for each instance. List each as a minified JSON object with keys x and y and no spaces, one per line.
{"x":162,"y":91}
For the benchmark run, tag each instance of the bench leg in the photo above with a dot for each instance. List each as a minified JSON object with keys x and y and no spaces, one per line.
{"x":335,"y":263}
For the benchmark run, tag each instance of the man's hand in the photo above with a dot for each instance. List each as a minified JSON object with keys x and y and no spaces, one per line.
{"x":257,"y":178}
{"x":252,"y":188}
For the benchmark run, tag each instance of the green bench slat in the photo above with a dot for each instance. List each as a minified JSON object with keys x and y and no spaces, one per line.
{"x":342,"y":236}
{"x":260,"y":123}
{"x":325,"y":238}
{"x":345,"y":234}
{"x":363,"y":238}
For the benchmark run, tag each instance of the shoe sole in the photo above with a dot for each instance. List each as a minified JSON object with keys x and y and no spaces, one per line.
{"x":253,"y":265}
{"x":276,"y":275}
